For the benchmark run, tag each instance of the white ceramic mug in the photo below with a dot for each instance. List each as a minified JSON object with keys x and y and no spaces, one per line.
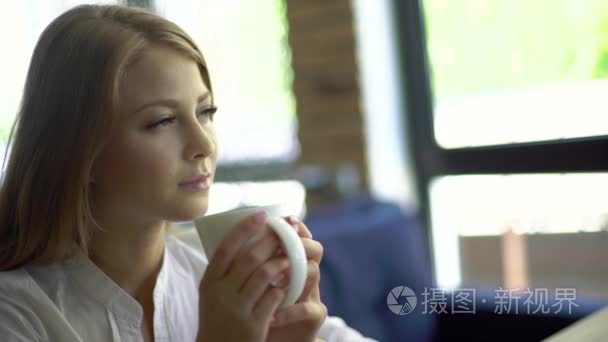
{"x":213,"y":228}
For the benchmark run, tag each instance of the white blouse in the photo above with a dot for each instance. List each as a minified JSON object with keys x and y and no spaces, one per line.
{"x":74,"y":300}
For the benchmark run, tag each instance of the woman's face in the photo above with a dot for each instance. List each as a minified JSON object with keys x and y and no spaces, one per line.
{"x":161,"y":157}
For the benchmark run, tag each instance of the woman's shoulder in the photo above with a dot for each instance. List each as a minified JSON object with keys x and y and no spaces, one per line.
{"x":20,"y":287}
{"x":15,"y":282}
{"x":19,"y":296}
{"x":27,"y":313}
{"x":33,"y":285}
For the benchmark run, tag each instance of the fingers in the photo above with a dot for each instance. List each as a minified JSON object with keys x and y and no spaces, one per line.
{"x":314,"y":253}
{"x":311,"y":286}
{"x":313,"y":279}
{"x":221,"y":260}
{"x":250,"y":259}
{"x":299,"y":226}
{"x":313,"y":249}
{"x":260,"y":280}
{"x":269,"y":303}
{"x":315,"y":312}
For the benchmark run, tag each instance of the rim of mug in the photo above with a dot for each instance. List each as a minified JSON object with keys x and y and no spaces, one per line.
{"x":244,"y":208}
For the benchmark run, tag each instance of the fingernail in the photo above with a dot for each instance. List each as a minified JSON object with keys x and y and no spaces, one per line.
{"x":294,"y":222}
{"x":259,"y":217}
{"x":277,"y":279}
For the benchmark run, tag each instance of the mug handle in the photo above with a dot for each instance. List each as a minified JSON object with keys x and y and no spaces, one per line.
{"x":292,"y":244}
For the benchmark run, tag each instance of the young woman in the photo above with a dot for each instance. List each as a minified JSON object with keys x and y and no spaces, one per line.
{"x":113,"y":141}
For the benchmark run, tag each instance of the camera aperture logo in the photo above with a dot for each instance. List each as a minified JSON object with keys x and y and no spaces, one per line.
{"x":401,"y":300}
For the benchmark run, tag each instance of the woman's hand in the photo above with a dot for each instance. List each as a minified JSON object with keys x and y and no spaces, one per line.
{"x":301,"y":321}
{"x":236,"y":302}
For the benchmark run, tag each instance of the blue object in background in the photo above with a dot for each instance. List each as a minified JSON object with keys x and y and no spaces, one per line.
{"x":371,"y":247}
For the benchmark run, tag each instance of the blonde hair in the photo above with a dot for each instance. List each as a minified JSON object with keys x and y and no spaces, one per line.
{"x":70,"y":103}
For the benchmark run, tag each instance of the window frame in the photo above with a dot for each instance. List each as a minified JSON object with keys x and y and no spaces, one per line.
{"x":430,"y":160}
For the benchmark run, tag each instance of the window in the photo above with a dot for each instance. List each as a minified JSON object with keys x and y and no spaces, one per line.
{"x":505,"y":120}
{"x":21,"y":23}
{"x":560,"y":221}
{"x":517,"y":71}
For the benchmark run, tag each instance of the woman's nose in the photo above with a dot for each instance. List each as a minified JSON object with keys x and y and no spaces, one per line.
{"x":200,"y":142}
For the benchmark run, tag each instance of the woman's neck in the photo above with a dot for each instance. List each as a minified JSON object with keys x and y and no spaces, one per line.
{"x":132,"y":258}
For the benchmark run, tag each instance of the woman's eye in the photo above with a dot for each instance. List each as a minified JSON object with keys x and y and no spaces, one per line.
{"x":164,"y":122}
{"x":208,"y":112}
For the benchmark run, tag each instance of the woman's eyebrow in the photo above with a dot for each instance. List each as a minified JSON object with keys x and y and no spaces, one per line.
{"x":170,"y":102}
{"x":204,"y":97}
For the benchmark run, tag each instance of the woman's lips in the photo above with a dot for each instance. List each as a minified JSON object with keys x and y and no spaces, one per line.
{"x":198,"y":183}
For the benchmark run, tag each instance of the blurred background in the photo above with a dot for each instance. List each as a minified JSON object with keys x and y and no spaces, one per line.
{"x":440,"y":144}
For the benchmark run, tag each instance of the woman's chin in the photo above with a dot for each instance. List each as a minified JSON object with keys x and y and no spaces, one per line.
{"x":190,"y":212}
